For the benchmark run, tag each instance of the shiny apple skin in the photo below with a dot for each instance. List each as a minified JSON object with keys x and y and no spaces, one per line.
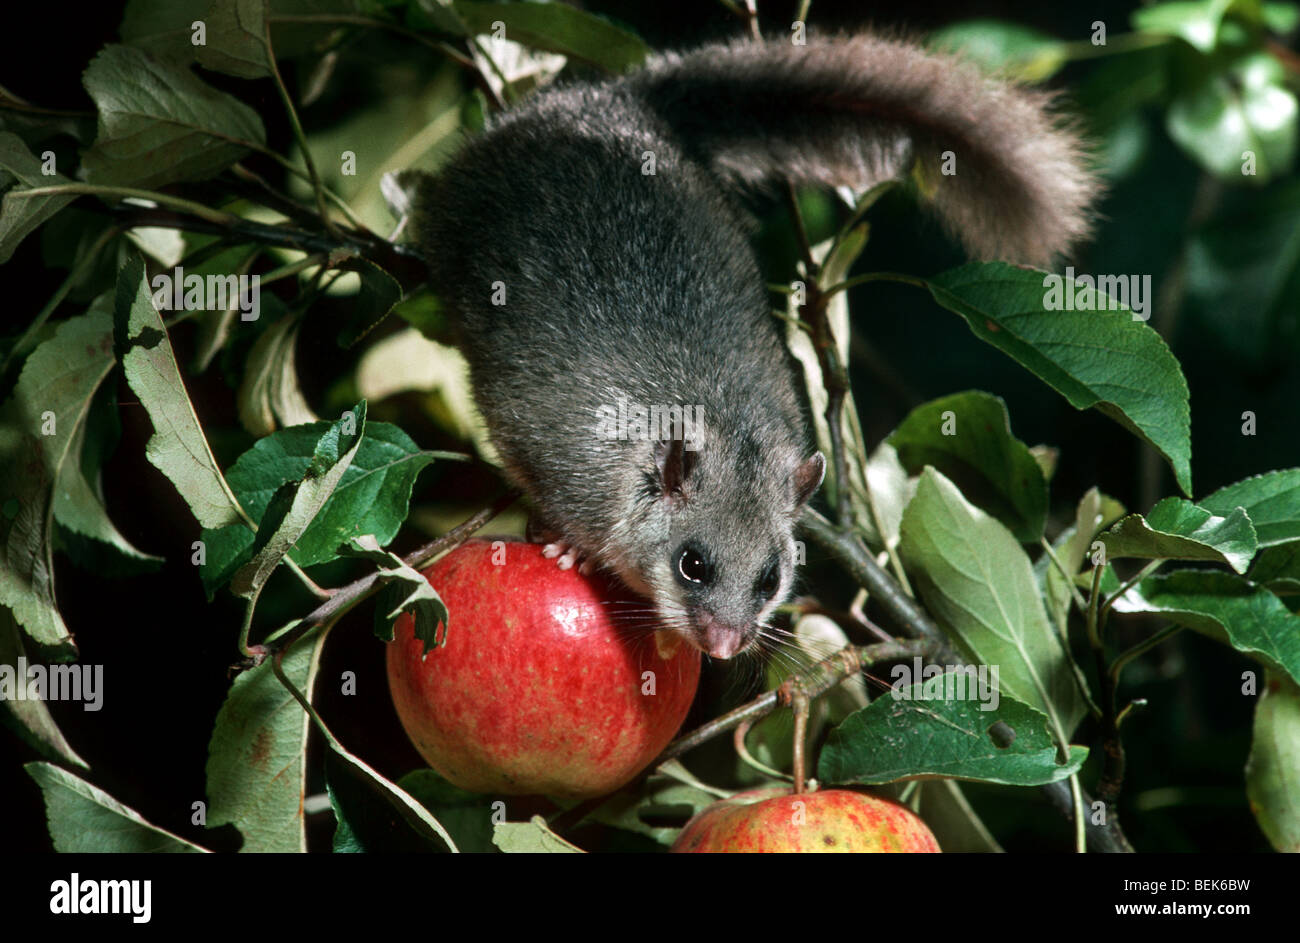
{"x":539,"y":689}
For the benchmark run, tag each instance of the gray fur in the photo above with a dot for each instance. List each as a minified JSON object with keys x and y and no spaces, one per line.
{"x":621,"y":285}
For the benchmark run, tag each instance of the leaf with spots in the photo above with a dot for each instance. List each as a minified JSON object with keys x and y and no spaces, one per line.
{"x":256,"y":758}
{"x":932,"y":730}
{"x":42,"y":438}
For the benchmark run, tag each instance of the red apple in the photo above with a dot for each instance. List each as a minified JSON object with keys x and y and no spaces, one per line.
{"x":773,"y":819}
{"x":550,"y":683}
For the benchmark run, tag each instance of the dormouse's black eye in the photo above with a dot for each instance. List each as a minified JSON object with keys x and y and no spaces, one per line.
{"x":770,"y":581}
{"x":693,"y":568}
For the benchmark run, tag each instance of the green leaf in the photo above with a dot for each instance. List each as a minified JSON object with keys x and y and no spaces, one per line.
{"x":467,"y":816}
{"x":1197,"y":22}
{"x":1280,"y":17}
{"x":41,"y":439}
{"x":1272,"y":500}
{"x":557,"y":27}
{"x":1094,"y":512}
{"x":256,"y":770}
{"x":925,"y":731}
{"x":1102,"y":358}
{"x":1247,"y":108}
{"x":1026,"y":53}
{"x":1273,"y":767}
{"x":236,"y":39}
{"x":82,"y":818}
{"x":889,"y":489}
{"x":378,"y":294}
{"x":270,"y":394}
{"x":164,"y":27}
{"x":20,"y":170}
{"x":1243,"y":277}
{"x":956,"y":826}
{"x":1225,"y":607}
{"x":371,"y":498}
{"x":975,"y":578}
{"x":78,"y":499}
{"x":975,"y":448}
{"x":365,"y":825}
{"x":1278,"y":568}
{"x":159,"y":123}
{"x":1180,"y":530}
{"x":30,"y":717}
{"x":660,"y":798}
{"x":530,"y":837}
{"x":178,"y":447}
{"x":294,"y":506}
{"x":405,"y":590}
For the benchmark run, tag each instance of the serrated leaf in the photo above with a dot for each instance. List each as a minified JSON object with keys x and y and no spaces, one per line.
{"x":530,"y":837}
{"x":975,"y":578}
{"x":178,"y":447}
{"x":256,"y":770}
{"x":1179,"y":530}
{"x":557,"y":27}
{"x":1226,"y":607}
{"x":294,"y":506}
{"x":1273,"y":767}
{"x":930,"y":733}
{"x":40,"y":435}
{"x":1272,"y":500}
{"x":82,"y":818}
{"x":976,"y":449}
{"x":236,"y":39}
{"x":371,"y":498}
{"x":1100,"y":358}
{"x":405,"y":590}
{"x":159,"y":123}
{"x":20,"y":170}
{"x":30,"y":716}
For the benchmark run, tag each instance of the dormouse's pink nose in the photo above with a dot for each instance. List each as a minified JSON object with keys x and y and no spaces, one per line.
{"x":722,"y":641}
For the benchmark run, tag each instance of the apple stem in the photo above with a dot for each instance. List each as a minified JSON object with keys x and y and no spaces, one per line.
{"x":799,"y":702}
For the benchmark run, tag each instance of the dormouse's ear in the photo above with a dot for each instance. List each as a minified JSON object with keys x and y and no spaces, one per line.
{"x":674,"y":463}
{"x":807,"y":479}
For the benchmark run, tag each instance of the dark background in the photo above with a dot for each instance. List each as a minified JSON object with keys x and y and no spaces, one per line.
{"x":167,"y":678}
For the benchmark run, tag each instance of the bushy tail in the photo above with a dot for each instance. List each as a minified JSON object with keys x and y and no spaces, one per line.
{"x":858,"y":110}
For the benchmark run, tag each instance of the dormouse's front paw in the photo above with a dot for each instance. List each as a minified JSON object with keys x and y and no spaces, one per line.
{"x":566,"y":556}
